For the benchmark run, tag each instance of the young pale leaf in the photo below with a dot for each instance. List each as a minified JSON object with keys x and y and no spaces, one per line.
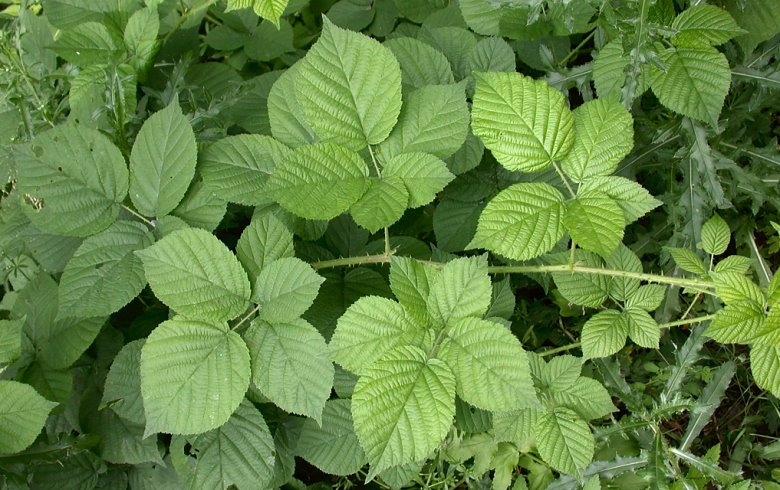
{"x":162,"y":162}
{"x":104,"y":274}
{"x":434,"y":119}
{"x":332,"y":447}
{"x":265,"y":240}
{"x":701,"y":96}
{"x":524,"y":122}
{"x":629,"y":195}
{"x":461,"y":289}
{"x":193,"y":376}
{"x":732,"y":287}
{"x":271,"y":10}
{"x":421,"y":64}
{"x":370,"y":327}
{"x":195,"y":274}
{"x":522,"y":222}
{"x":595,"y":222}
{"x":349,"y":88}
{"x":410,"y":282}
{"x":122,"y":392}
{"x":382,"y":205}
{"x":238,"y":167}
{"x":403,"y":407}
{"x":715,"y":235}
{"x":642,"y":328}
{"x":239,"y":454}
{"x":603,"y":334}
{"x":22,"y":415}
{"x":648,"y":297}
{"x":765,"y":366}
{"x":738,"y":322}
{"x":704,"y":23}
{"x":564,"y":440}
{"x":290,"y":365}
{"x":489,"y":364}
{"x":604,"y":134}
{"x":75,"y":180}
{"x":423,"y":174}
{"x":319,"y":181}
{"x":10,"y":340}
{"x":288,"y":123}
{"x":285,"y":289}
{"x":687,"y":260}
{"x":587,"y":397}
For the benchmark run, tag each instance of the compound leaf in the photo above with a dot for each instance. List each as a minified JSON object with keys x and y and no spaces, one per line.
{"x":632,"y":198}
{"x":285,"y":289}
{"x":587,"y":397}
{"x":642,"y":328}
{"x":410,"y":282}
{"x":738,"y":322}
{"x":265,"y":240}
{"x":603,"y":334}
{"x":687,"y":260}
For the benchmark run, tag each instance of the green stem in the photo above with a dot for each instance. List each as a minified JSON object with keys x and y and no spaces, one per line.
{"x":137,"y":215}
{"x":186,"y":15}
{"x":576,"y":50}
{"x":247,"y":317}
{"x":565,"y":180}
{"x":349,"y":261}
{"x":373,"y":160}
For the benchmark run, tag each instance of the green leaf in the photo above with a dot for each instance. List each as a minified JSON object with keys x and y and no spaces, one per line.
{"x":522,"y":222}
{"x":492,"y":54}
{"x":734,"y":263}
{"x":421,"y":64}
{"x":265,"y":240}
{"x":624,"y":259}
{"x":603,"y":334}
{"x":765,"y":366}
{"x":564,"y":441}
{"x":240,"y":454}
{"x":382,"y":205}
{"x":629,"y":195}
{"x":122,"y":392}
{"x":122,"y":442}
{"x":403,"y":407}
{"x":10,"y":340}
{"x":582,"y":289}
{"x":22,"y":415}
{"x":732,"y":287}
{"x":369,"y":328}
{"x":687,"y":260}
{"x":104,"y":274}
{"x":89,"y":43}
{"x":604,"y":134}
{"x":595,"y":222}
{"x":517,"y":427}
{"x":271,"y":10}
{"x":489,"y":364}
{"x":162,"y":162}
{"x":738,"y":322}
{"x":201,"y":207}
{"x":559,"y":374}
{"x":193,"y":376}
{"x":332,"y":447}
{"x":648,"y":297}
{"x":285,"y":289}
{"x":711,"y":396}
{"x":75,"y":180}
{"x":609,"y":74}
{"x":524,"y":122}
{"x":695,"y":82}
{"x":461,"y":289}
{"x":290,"y":365}
{"x":434,"y":119}
{"x":288,"y":123}
{"x":587,"y":397}
{"x":319,"y":181}
{"x":715,"y":235}
{"x":195,"y":274}
{"x":140,"y":37}
{"x":642,"y":328}
{"x":238,"y":167}
{"x":410,"y":282}
{"x":704,"y":24}
{"x":423,"y":174}
{"x":349,"y":88}
{"x":268,"y":42}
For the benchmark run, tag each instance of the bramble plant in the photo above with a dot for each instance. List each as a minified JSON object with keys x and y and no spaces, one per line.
{"x":389,"y":243}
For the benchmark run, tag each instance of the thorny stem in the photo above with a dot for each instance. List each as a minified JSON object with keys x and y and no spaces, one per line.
{"x":137,"y":215}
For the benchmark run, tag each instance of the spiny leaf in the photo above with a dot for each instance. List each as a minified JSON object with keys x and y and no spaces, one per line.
{"x":22,"y":415}
{"x":707,"y":403}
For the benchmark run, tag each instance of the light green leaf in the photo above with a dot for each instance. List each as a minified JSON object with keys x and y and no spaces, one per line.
{"x":22,"y":415}
{"x":738,"y":322}
{"x":648,"y":297}
{"x":290,"y":365}
{"x":410,"y":282}
{"x":382,"y":205}
{"x":421,"y":64}
{"x":10,"y":340}
{"x":285,"y":289}
{"x":695,"y":82}
{"x":629,"y":195}
{"x":195,"y":274}
{"x":369,"y":328}
{"x":75,"y":180}
{"x":490,"y":365}
{"x":122,"y":442}
{"x":517,"y":427}
{"x":587,"y":397}
{"x":624,"y":259}
{"x":595,"y":222}
{"x":89,"y":43}
{"x":492,"y":54}
{"x":564,"y":440}
{"x":765,"y":366}
{"x":140,"y":37}
{"x":642,"y":328}
{"x":319,"y":181}
{"x":265,"y":240}
{"x":162,"y":162}
{"x":604,"y":134}
{"x":734,"y":263}
{"x":732,"y":287}
{"x":559,"y":374}
{"x":687,"y":260}
{"x":349,"y":88}
{"x":122,"y":392}
{"x":104,"y":274}
{"x":271,"y":10}
{"x":582,"y":289}
{"x":193,"y":376}
{"x":715,"y":235}
{"x":332,"y":447}
{"x":609,"y":69}
{"x":288,"y":124}
{"x":524,"y":122}
{"x":201,"y":207}
{"x":704,"y":23}
{"x":522,"y":222}
{"x":239,"y":454}
{"x":461,"y":289}
{"x":403,"y":407}
{"x":603,"y":334}
{"x":434,"y":119}
{"x":423,"y":174}
{"x":238,"y":167}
